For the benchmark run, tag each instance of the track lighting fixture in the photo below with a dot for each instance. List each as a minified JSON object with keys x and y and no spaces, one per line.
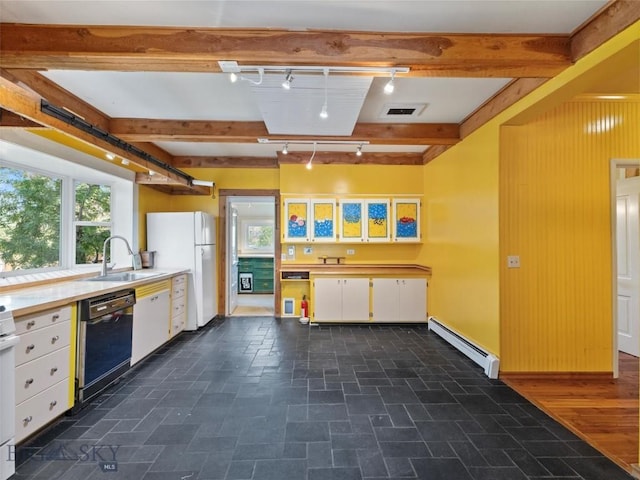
{"x":151,"y":173}
{"x":124,"y":161}
{"x":324,"y":113}
{"x":359,"y":151}
{"x":312,"y":155}
{"x":235,"y":72}
{"x":110,"y":156}
{"x":288,"y":78}
{"x":285,"y":149}
{"x":389,"y":87}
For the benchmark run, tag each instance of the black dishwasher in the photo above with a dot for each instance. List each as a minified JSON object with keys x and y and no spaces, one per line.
{"x":104,"y":342}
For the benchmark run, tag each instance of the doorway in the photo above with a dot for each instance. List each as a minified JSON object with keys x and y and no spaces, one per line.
{"x":250,"y":255}
{"x":625,"y":183}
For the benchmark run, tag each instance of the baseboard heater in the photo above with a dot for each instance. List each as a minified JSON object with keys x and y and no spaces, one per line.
{"x":490,"y":363}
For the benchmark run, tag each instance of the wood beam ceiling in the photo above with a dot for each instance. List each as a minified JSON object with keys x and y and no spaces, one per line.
{"x":150,"y":130}
{"x":127,"y":48}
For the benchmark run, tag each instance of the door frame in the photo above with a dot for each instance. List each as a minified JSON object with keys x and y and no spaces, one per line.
{"x":223,"y":195}
{"x":616,"y":163}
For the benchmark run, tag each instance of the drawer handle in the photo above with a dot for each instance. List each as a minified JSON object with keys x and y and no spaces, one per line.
{"x":55,"y":317}
{"x":54,"y":370}
{"x":53,"y":404}
{"x":31,"y":323}
{"x":55,"y":339}
{"x":28,"y":419}
{"x":28,"y":382}
{"x":30,"y":347}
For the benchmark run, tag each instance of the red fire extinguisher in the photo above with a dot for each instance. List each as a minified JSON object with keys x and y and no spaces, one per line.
{"x":304,"y":307}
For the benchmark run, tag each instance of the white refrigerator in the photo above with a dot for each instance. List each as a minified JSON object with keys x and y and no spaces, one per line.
{"x":188,"y":240}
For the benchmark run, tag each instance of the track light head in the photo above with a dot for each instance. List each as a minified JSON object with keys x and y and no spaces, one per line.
{"x":285,"y":149}
{"x":287,"y":80}
{"x":233,"y":77}
{"x":389,"y":87}
{"x":359,"y":151}
{"x":324,"y":113}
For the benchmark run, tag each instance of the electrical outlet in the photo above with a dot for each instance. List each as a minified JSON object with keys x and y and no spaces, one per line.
{"x":308,"y":250}
{"x":291,"y":251}
{"x":513,"y":261}
{"x":351,"y":251}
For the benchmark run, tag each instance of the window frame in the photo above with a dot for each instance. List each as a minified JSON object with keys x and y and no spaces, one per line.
{"x":83,"y":223}
{"x":244,"y":248}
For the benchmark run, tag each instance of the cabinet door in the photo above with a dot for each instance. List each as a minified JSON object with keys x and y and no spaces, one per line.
{"x":352,"y":220}
{"x":323,"y":214}
{"x":412,"y":300}
{"x":406,"y":220}
{"x":327,"y":299}
{"x":377,"y":228}
{"x":355,"y":299}
{"x":296,"y":220}
{"x":385,"y":299}
{"x":150,"y":320}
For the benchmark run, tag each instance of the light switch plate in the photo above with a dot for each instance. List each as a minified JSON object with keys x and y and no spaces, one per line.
{"x":351,"y":251}
{"x":291,"y":251}
{"x":308,"y":250}
{"x":513,"y":261}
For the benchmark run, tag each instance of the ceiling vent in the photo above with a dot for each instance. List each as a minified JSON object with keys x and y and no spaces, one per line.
{"x":402,"y":110}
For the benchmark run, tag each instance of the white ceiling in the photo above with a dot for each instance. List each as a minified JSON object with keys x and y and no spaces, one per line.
{"x":210,"y":96}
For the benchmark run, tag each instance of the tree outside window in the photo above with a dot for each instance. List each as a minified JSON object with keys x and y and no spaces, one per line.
{"x":31,"y":206}
{"x":258,"y":236}
{"x":92,"y":220}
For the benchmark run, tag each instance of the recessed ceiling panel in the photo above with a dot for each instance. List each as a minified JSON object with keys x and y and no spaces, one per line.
{"x":296,"y":111}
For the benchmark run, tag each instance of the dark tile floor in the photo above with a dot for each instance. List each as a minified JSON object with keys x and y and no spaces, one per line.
{"x":268,"y":399}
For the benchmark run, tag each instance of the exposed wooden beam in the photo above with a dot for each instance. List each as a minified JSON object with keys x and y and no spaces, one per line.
{"x":619,"y":15}
{"x":149,"y":130}
{"x":57,"y":95}
{"x":27,"y":104}
{"x":506,"y":97}
{"x":372,"y":158}
{"x":166,"y":185}
{"x":224,"y":162}
{"x":11,"y":120}
{"x":126,"y":48}
{"x":433,"y":152}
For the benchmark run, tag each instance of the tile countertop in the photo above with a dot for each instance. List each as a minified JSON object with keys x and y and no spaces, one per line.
{"x":28,"y":300}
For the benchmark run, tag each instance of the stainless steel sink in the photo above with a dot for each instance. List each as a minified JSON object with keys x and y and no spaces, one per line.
{"x":123,"y":277}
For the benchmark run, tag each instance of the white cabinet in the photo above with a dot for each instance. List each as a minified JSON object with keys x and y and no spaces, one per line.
{"x":399,"y":299}
{"x":178,"y":304}
{"x":406,"y":220}
{"x":340,"y":300}
{"x":310,"y":220}
{"x":151,"y":315}
{"x":43,"y":379}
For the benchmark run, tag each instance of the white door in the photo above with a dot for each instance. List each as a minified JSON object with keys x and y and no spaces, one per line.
{"x":412,"y":300}
{"x":327,"y":300}
{"x":232,"y":261}
{"x":385,"y":299}
{"x":355,"y":299}
{"x":628,"y":260}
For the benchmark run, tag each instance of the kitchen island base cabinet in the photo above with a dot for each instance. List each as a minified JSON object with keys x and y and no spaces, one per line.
{"x":340,"y":300}
{"x":150,"y":319}
{"x":399,"y":300}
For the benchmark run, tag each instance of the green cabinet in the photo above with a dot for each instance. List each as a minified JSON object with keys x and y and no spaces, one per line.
{"x":255,"y":274}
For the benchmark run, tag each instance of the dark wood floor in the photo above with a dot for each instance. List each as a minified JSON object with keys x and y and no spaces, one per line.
{"x":604,"y":412}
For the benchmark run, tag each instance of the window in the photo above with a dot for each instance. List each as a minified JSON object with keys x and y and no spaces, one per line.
{"x":55,"y":213}
{"x":30,"y":224}
{"x":257,"y":236}
{"x":92,"y":221}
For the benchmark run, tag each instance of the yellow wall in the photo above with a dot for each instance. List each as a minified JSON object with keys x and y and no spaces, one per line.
{"x":149,"y":200}
{"x":461,"y":199}
{"x":461,"y":203}
{"x":555,"y":213}
{"x":354,"y":181}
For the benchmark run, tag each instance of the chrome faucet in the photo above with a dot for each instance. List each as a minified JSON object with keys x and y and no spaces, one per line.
{"x":104,"y":251}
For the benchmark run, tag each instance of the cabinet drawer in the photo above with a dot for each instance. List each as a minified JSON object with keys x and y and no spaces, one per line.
{"x":29,"y":323}
{"x":41,"y":342}
{"x":178,"y":291}
{"x":177,"y":324}
{"x":40,"y":409}
{"x":38,"y":375}
{"x":178,"y":308}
